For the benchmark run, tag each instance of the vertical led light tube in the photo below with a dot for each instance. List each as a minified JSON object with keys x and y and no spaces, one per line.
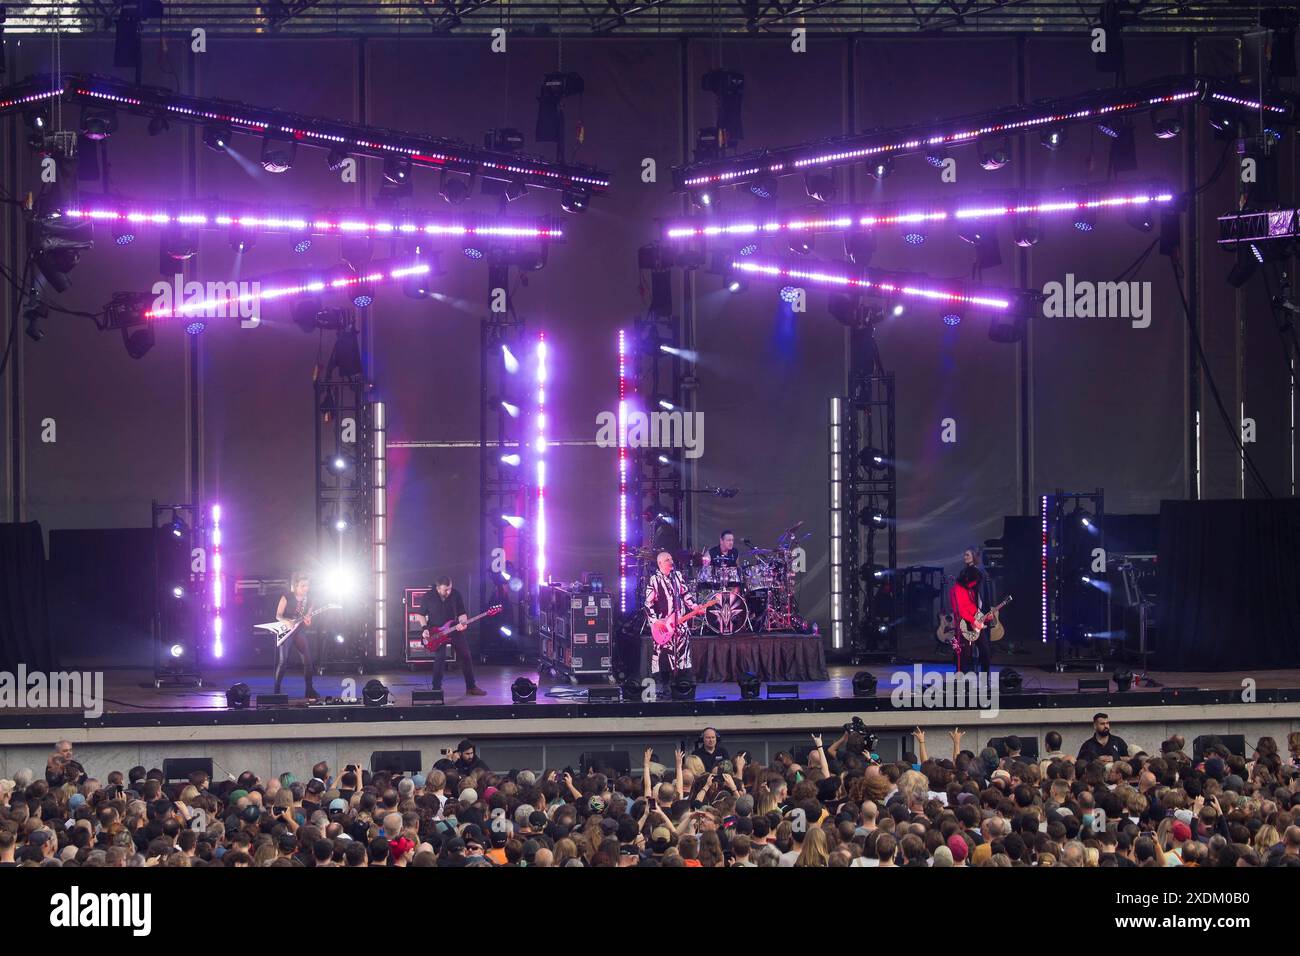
{"x":539,"y":447}
{"x":379,"y":524}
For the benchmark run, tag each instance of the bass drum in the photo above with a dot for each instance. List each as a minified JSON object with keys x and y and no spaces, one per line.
{"x":729,"y":616}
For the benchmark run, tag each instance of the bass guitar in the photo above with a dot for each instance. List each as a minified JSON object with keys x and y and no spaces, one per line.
{"x":283,"y":630}
{"x":663,"y":629}
{"x":436,"y":637}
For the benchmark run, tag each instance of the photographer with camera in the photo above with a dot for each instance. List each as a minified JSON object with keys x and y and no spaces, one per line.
{"x":856,"y":741}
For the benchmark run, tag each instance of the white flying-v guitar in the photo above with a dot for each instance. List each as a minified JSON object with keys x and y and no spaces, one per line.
{"x":283,"y":630}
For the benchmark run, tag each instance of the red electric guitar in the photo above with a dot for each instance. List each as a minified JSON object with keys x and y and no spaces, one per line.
{"x":436,"y":637}
{"x":663,"y":629}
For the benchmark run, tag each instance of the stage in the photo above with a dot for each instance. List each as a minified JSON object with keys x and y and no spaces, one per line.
{"x":143,"y":724}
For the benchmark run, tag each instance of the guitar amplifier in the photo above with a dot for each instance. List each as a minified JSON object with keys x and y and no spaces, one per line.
{"x":416,"y":652}
{"x":577,"y":630}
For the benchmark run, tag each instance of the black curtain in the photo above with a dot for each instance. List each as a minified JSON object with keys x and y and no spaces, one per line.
{"x":1229,"y":584}
{"x":24,"y":622}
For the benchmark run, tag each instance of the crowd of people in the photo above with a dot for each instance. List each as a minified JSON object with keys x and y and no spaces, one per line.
{"x":1105,"y":806}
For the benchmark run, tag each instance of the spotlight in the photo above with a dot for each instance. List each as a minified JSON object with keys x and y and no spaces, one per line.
{"x":952,"y":319}
{"x":158,"y":124}
{"x":872,"y":459}
{"x":340,"y":524}
{"x":178,"y":592}
{"x":510,"y":409}
{"x":305,"y":312}
{"x":1052,"y":138}
{"x":1085,"y":218}
{"x":515,"y":521}
{"x":1242,"y":269}
{"x":335,"y":160}
{"x":747,"y":250}
{"x":454,"y":189}
{"x":914,"y":235}
{"x":575,"y":200}
{"x":195,"y":327}
{"x":1011,"y":680}
{"x":278,"y":154}
{"x":374,"y":694}
{"x":881,"y":168}
{"x":138,"y":342}
{"x":994,"y":157}
{"x":631,"y":688}
{"x":357,"y":251}
{"x":750,"y":686}
{"x":1110,"y":127}
{"x":511,"y":459}
{"x":523,"y":691}
{"x":472,"y":252}
{"x":1223,"y":122}
{"x":506,"y":632}
{"x":872,"y":516}
{"x":1025,"y":231}
{"x":397,"y":170}
{"x":178,"y":245}
{"x":1166,"y":125}
{"x":765,"y":188}
{"x":238,"y":696}
{"x":515,"y":190}
{"x":242,"y":241}
{"x":682,"y":688}
{"x":302,"y":243}
{"x":123,"y":233}
{"x":1123,"y":679}
{"x":98,"y":123}
{"x":935,"y":158}
{"x":702,"y":198}
{"x":364,"y":296}
{"x":216,"y":137}
{"x":177,"y":650}
{"x":789,"y":294}
{"x":177,"y":526}
{"x":1141,"y":218}
{"x":864,"y":684}
{"x":860,"y":246}
{"x":735,"y":284}
{"x":897,"y":310}
{"x":508,"y":359}
{"x":819,"y":186}
{"x":800,"y":243}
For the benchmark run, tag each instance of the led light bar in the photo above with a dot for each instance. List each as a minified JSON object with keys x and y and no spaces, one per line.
{"x":891,"y":285}
{"x":539,"y":446}
{"x":350,"y":138}
{"x":218,"y":585}
{"x":925,"y":137}
{"x":229,"y":305}
{"x":302,"y":221}
{"x":1003,"y":204}
{"x":623,"y":603}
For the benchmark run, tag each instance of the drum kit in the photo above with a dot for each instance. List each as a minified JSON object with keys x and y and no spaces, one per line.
{"x":757,"y":595}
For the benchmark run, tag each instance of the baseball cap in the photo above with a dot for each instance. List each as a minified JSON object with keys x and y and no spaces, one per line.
{"x":76,"y":801}
{"x":455,"y":843}
{"x":418,"y":780}
{"x":1181,"y":831}
{"x":338,"y":805}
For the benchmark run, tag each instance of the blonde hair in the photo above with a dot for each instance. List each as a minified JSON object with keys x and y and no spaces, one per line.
{"x":815,"y":849}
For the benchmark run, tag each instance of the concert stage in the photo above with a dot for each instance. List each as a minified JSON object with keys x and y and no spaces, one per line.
{"x":144,"y":725}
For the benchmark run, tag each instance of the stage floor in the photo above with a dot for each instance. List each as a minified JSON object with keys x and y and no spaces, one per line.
{"x":128,"y":692}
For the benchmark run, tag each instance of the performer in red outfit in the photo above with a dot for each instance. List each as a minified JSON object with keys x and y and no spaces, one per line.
{"x":967,"y":604}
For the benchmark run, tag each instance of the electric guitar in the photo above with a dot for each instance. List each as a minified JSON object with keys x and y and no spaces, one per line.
{"x":436,"y":637}
{"x":663,"y":629}
{"x":971,"y":633}
{"x":283,"y":630}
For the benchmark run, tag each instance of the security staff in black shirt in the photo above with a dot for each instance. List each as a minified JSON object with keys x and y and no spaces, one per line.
{"x":443,"y":605}
{"x":1102,"y":743}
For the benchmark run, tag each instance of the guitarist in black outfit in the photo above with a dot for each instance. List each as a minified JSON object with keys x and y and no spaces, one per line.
{"x":293,"y":607}
{"x":441,"y":605}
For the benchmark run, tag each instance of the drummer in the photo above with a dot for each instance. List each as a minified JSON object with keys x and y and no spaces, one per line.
{"x":723,"y":558}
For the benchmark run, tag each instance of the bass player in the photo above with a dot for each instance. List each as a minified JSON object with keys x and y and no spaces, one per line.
{"x":441,"y":605}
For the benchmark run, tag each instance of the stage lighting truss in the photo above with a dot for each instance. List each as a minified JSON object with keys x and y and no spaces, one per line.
{"x":931,"y":138}
{"x":399,"y":148}
{"x":298,"y":221}
{"x":1256,"y":229}
{"x":228,"y":306}
{"x":908,"y":216}
{"x":895,"y":286}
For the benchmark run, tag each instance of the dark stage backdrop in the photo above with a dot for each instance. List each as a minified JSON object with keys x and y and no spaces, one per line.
{"x":1229,"y":585}
{"x":1106,"y":403}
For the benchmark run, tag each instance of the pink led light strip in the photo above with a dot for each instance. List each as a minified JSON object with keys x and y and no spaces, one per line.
{"x":877,"y":285}
{"x":870,"y":217}
{"x":318,"y":223}
{"x":227,"y":304}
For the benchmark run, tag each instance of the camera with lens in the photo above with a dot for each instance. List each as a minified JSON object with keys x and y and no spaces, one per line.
{"x":869,"y":738}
